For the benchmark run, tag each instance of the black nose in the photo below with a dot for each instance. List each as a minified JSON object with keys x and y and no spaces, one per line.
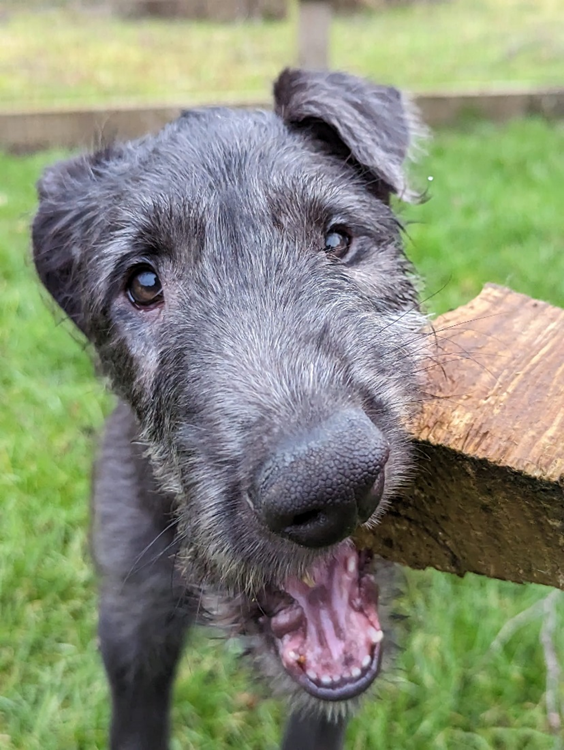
{"x":319,"y":486}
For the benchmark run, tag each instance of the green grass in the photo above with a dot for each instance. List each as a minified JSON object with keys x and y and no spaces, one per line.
{"x":95,"y":59}
{"x":495,"y":214}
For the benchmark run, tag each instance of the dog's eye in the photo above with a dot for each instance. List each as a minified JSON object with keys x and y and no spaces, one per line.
{"x":144,"y":288}
{"x":337,"y":242}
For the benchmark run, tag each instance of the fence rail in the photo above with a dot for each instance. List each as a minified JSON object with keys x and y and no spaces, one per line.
{"x":84,"y":128}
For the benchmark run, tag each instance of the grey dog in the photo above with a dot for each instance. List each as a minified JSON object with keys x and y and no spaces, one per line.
{"x":242,"y":280}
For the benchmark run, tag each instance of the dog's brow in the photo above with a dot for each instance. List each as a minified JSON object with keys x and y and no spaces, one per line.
{"x":165,"y":224}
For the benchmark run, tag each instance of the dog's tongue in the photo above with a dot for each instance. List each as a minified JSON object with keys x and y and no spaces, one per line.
{"x":329,"y":638}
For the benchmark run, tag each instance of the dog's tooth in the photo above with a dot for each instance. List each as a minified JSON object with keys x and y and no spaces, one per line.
{"x":366,"y":661}
{"x":356,"y":672}
{"x":312,"y":675}
{"x":375,"y":635}
{"x":351,"y":564}
{"x":293,"y":656}
{"x":308,"y":580}
{"x":326,"y":679}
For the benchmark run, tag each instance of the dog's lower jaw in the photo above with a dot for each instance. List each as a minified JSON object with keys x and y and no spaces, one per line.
{"x":317,"y":637}
{"x":329,"y":637}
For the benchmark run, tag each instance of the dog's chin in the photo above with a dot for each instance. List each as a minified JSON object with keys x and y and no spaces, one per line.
{"x":317,"y":637}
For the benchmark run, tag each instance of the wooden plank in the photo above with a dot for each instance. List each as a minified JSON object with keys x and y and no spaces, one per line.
{"x":488,"y":496}
{"x":32,"y":130}
{"x":314,"y":24}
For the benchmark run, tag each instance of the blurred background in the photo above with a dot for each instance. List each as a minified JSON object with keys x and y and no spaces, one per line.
{"x":83,"y":52}
{"x":480,"y":665}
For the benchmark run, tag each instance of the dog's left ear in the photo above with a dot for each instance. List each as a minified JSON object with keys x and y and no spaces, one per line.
{"x":370,"y":126}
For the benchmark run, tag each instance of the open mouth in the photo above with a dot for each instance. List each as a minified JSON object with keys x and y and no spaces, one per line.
{"x":325,"y":626}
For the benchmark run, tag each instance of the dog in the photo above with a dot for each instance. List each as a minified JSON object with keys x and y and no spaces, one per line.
{"x":241,"y":278}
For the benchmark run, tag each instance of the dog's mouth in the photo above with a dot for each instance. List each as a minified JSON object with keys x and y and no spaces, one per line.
{"x":325,"y":626}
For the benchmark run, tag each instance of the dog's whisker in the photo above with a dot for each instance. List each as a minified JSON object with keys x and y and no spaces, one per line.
{"x":134,"y":566}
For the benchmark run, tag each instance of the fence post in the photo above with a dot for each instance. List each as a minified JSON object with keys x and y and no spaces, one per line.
{"x":314,"y":23}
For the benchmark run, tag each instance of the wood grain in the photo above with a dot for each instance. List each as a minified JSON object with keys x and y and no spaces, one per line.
{"x":488,"y":495}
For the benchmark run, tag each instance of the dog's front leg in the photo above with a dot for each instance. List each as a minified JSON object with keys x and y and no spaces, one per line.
{"x":313,"y":733}
{"x":140,"y":650}
{"x":144,"y":607}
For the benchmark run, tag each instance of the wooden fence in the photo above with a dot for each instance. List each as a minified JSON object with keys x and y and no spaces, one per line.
{"x":29,"y":130}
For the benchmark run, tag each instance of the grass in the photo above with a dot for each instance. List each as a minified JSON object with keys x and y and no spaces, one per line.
{"x":494,"y":215}
{"x":93,"y":59}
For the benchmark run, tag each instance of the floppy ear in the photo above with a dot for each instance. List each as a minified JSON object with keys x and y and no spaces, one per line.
{"x":370,"y":126}
{"x":64,"y":223}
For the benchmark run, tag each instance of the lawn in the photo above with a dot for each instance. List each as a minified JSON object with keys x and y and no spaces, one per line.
{"x":93,"y":59}
{"x":494,"y":214}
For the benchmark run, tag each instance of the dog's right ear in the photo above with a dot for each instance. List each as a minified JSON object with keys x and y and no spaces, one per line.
{"x":66,"y":222}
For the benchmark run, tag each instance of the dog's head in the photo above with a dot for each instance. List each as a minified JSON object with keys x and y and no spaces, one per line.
{"x":242,"y":279}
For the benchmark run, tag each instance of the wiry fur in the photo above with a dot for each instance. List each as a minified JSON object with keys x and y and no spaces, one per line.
{"x":262,"y":335}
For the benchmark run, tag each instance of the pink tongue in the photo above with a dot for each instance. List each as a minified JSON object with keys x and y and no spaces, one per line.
{"x":332,"y":629}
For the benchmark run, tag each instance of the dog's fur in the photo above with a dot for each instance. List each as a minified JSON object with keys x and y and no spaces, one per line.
{"x":261,"y":335}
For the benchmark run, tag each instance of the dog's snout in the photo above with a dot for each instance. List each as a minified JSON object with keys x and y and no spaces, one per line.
{"x":318,"y":486}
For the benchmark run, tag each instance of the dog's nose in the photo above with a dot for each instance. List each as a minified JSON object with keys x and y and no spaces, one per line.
{"x":319,"y":486}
